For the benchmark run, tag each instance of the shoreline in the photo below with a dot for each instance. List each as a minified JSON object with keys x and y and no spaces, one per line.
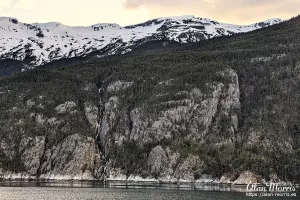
{"x":132,"y":185}
{"x":145,"y":181}
{"x":121,"y":178}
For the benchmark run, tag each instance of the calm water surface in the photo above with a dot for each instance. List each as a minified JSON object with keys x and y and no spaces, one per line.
{"x":121,"y":191}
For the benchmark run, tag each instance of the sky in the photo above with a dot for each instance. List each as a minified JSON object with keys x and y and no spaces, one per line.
{"x":128,"y":12}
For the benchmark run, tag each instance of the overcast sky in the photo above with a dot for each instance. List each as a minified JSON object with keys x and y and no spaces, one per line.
{"x":126,"y":12}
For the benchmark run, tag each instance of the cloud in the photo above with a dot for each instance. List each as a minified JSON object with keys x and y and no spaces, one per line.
{"x":191,"y":3}
{"x":128,"y":12}
{"x":171,"y":3}
{"x":8,"y":4}
{"x":13,"y":2}
{"x":235,"y":11}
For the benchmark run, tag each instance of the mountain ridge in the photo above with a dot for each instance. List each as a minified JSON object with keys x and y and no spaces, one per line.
{"x":40,"y":43}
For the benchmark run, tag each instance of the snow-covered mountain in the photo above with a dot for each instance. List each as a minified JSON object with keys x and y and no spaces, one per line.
{"x":40,"y":43}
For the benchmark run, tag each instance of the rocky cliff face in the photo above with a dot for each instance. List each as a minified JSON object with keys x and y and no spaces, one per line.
{"x":206,"y":117}
{"x":185,"y":134}
{"x":121,"y":133}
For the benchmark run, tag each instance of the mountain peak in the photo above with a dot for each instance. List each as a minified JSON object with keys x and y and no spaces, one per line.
{"x":9,"y":19}
{"x":182,"y":17}
{"x":273,"y":21}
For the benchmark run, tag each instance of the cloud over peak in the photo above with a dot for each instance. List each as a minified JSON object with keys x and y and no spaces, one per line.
{"x":128,"y":12}
{"x":235,"y":11}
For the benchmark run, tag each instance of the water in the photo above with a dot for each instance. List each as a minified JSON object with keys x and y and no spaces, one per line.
{"x":120,"y":191}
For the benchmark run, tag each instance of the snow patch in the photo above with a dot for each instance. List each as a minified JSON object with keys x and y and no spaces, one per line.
{"x":53,"y":41}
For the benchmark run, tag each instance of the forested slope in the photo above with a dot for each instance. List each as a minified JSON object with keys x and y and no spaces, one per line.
{"x":213,"y":109}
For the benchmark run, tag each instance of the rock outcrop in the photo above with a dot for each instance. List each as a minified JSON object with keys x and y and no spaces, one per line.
{"x":157,"y":160}
{"x":247,"y":177}
{"x":71,"y":159}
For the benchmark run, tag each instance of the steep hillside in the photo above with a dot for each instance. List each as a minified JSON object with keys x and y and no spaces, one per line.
{"x":38,"y":44}
{"x":222,"y":109}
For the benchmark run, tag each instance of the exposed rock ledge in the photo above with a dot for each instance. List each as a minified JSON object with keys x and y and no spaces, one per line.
{"x":121,"y":178}
{"x":244,"y":179}
{"x":26,"y":177}
{"x":247,"y":177}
